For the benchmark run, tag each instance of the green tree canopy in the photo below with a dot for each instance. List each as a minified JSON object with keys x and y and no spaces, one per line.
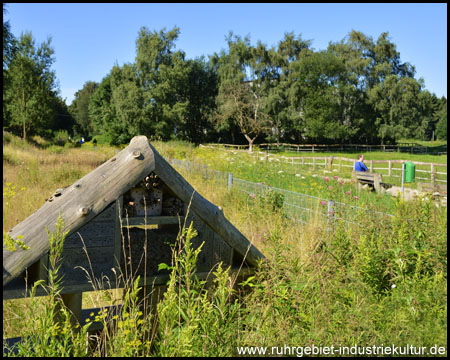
{"x":80,"y":108}
{"x":32,"y":87}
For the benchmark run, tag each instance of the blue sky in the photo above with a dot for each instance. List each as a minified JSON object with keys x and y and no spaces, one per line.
{"x":89,"y":39}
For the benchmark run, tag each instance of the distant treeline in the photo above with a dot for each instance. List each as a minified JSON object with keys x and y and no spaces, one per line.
{"x":355,"y":91}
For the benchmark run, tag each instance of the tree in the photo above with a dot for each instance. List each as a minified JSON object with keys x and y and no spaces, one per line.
{"x":102,"y":113}
{"x":356,"y":51}
{"x":9,"y":41}
{"x":80,"y":108}
{"x":282,"y":106}
{"x":9,"y":48}
{"x":397,"y":105}
{"x":128,"y":101}
{"x":237,"y":102}
{"x":320,"y":84}
{"x":162,"y":73}
{"x":244,"y":79}
{"x":63,"y":120}
{"x":199,"y":91}
{"x":441,"y":127}
{"x":31,"y":87}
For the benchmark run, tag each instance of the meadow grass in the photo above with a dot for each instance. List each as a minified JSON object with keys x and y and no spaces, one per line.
{"x":383,"y":281}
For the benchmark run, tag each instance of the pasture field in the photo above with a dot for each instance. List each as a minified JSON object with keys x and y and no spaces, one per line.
{"x":278,"y":172}
{"x":383,"y":282}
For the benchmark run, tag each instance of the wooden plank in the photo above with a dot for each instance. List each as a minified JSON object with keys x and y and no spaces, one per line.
{"x":209,"y":212}
{"x":117,"y":233}
{"x":75,"y":263}
{"x":94,"y":234}
{"x":79,"y":203}
{"x":152,"y":220}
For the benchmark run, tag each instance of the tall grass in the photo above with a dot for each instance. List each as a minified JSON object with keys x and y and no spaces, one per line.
{"x":382,"y":281}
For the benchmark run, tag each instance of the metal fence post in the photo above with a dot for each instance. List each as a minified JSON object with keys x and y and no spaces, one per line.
{"x":330,"y":213}
{"x":230,"y":181}
{"x":403,"y":180}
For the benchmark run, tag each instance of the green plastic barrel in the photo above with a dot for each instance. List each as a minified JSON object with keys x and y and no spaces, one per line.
{"x":410,"y":171}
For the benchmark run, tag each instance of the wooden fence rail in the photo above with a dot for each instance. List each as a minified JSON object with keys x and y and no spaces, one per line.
{"x":412,"y":148}
{"x":343,"y":162}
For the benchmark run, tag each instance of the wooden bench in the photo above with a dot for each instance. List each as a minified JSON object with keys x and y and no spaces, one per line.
{"x":370,"y":178}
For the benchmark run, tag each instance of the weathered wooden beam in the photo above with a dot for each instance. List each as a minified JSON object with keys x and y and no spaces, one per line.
{"x":79,"y":203}
{"x":152,"y":220}
{"x":207,"y":211}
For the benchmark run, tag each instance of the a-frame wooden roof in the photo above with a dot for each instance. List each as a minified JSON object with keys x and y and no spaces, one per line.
{"x":79,"y":203}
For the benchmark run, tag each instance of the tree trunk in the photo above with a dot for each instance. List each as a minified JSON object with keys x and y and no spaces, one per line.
{"x":250,"y":143}
{"x":23,"y":115}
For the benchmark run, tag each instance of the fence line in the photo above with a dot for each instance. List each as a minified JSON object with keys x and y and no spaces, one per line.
{"x":342,"y":162}
{"x":297,"y":206}
{"x":412,"y":148}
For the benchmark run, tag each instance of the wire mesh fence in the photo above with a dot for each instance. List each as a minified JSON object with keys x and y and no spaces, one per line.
{"x":299,"y":207}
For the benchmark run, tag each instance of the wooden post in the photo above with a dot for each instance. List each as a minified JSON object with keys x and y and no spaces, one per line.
{"x":314,"y":163}
{"x":303,"y":161}
{"x":118,"y":233}
{"x":389,"y":168}
{"x":330,"y":163}
{"x":313,"y":148}
{"x":39,"y":270}
{"x":371,"y":165}
{"x":433,"y":175}
{"x":149,"y":297}
{"x":73,"y":303}
{"x":377,"y":182}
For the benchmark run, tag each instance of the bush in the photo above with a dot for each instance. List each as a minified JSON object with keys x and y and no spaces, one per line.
{"x":103,"y":139}
{"x":272,"y":199}
{"x":60,"y":137}
{"x":53,"y":149}
{"x":39,"y":141}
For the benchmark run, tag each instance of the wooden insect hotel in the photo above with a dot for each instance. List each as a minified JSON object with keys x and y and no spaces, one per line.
{"x":106,"y":212}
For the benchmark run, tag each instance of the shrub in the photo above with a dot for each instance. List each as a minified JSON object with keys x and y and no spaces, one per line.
{"x":54,"y":149}
{"x":272,"y":199}
{"x":60,"y":137}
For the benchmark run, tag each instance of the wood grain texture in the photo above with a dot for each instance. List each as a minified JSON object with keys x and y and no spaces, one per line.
{"x":79,"y":203}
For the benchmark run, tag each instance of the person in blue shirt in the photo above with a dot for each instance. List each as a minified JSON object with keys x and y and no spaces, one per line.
{"x":359,"y":165}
